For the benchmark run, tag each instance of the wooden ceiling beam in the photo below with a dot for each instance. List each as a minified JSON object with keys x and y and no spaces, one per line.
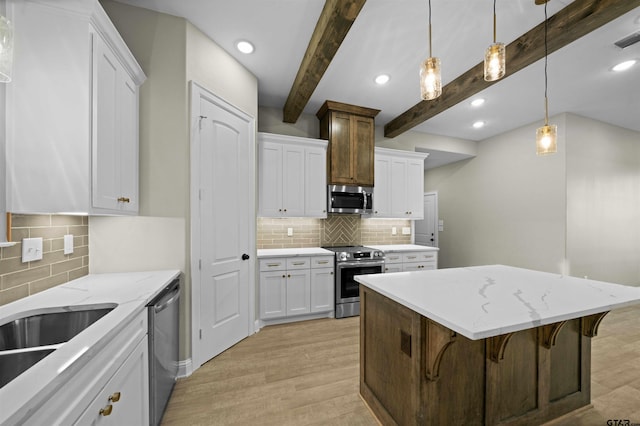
{"x":332,"y":27}
{"x":569,"y":24}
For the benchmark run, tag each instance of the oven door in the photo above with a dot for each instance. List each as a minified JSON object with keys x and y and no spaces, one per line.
{"x":347,"y":288}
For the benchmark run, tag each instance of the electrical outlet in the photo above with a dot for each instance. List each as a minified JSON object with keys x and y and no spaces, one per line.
{"x":290,"y":232}
{"x":68,"y":244}
{"x":406,"y":230}
{"x":31,"y":249}
{"x":394,"y":230}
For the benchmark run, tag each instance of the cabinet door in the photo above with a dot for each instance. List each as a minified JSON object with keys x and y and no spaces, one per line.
{"x":298,"y":292}
{"x":273,"y":296}
{"x":125,"y":398}
{"x":293,"y":181}
{"x":270,"y":176}
{"x":322,"y":290}
{"x":105,"y":138}
{"x":362,"y":139}
{"x":315,"y":181}
{"x":399,"y":187}
{"x":415,"y":189}
{"x":341,"y":150}
{"x":128,"y":166}
{"x":382,"y":188}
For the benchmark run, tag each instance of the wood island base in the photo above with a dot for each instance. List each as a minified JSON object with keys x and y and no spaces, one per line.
{"x":414,"y":371}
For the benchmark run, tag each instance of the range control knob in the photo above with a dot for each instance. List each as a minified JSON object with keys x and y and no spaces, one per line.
{"x":342,"y":256}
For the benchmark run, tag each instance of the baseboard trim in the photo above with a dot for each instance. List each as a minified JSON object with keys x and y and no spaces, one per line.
{"x":185,"y":368}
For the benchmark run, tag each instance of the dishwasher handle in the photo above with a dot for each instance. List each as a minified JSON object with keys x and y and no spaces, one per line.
{"x":173,"y":296}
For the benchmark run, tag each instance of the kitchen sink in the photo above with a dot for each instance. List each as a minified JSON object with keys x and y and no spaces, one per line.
{"x":27,"y":340}
{"x":55,"y":326}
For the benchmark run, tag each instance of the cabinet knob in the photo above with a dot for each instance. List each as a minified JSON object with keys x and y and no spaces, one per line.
{"x":106,"y":410}
{"x":285,"y":210}
{"x":279,"y":210}
{"x":123,"y":200}
{"x":115,"y":397}
{"x":331,"y":272}
{"x":288,"y":275}
{"x":284,"y":276}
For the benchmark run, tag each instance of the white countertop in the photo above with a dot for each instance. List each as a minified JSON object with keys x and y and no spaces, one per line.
{"x":130,"y":291}
{"x":291,"y":252}
{"x":393,"y":248}
{"x":485,"y":301}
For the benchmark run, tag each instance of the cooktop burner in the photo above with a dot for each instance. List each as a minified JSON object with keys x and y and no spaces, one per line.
{"x":360,"y":253}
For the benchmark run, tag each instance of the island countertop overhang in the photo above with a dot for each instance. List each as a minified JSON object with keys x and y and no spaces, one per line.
{"x":485,"y":301}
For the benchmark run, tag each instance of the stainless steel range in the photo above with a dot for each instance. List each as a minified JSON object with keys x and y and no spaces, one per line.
{"x":352,"y":261}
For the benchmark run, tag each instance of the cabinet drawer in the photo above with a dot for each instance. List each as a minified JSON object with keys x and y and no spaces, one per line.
{"x":273,"y":264}
{"x":393,"y":258}
{"x":419,"y":256}
{"x":322,"y":262}
{"x":298,"y":263}
{"x":418,"y":266}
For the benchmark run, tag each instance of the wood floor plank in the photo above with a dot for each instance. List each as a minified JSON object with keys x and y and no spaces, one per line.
{"x":307,"y":373}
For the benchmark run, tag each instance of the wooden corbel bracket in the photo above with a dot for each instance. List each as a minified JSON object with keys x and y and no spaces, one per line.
{"x":550,"y":333}
{"x":496,"y":346}
{"x":590,"y":324}
{"x":438,"y":339}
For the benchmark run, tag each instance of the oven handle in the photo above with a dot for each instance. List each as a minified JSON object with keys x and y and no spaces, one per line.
{"x":349,"y":264}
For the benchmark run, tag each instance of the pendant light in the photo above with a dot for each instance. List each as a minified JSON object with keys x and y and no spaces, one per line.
{"x":546,"y":136}
{"x":430,"y":78}
{"x":494,"y":56}
{"x":6,"y":49}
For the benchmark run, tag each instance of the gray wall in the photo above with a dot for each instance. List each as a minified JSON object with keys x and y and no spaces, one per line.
{"x":575,"y":212}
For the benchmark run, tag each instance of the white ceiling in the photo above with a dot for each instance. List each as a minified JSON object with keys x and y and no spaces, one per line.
{"x":390,"y":36}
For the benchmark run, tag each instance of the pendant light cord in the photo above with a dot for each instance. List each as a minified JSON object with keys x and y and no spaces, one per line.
{"x":546,"y":102}
{"x":430,"y":55}
{"x":494,"y":21}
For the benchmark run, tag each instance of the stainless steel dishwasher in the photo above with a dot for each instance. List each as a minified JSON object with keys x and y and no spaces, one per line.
{"x":163,"y":349}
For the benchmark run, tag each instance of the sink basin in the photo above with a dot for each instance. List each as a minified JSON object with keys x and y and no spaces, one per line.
{"x":55,"y":326}
{"x":13,"y":364}
{"x":27,"y":340}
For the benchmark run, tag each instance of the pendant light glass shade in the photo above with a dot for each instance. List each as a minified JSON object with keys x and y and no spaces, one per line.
{"x":6,"y":49}
{"x":546,"y":139}
{"x":495,"y":62}
{"x":430,"y":79}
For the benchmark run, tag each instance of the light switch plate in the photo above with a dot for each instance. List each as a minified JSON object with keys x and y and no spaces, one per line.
{"x":394,"y":231}
{"x":406,"y":230}
{"x":68,"y":244}
{"x":31,"y":249}
{"x":290,"y":232}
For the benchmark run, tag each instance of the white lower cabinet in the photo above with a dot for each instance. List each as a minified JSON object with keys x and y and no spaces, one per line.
{"x":120,"y":366}
{"x":410,"y":261}
{"x":296,"y":286}
{"x":125,"y":398}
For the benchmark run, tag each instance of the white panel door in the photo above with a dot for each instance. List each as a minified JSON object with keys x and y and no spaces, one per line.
{"x":322,"y":282}
{"x":298,"y":292}
{"x":399,"y":187}
{"x":426,"y":230}
{"x":415,"y":188}
{"x":226,"y":190}
{"x":315,"y":181}
{"x":270,"y":163}
{"x":273,"y":294}
{"x":293,"y":181}
{"x":382,"y":187}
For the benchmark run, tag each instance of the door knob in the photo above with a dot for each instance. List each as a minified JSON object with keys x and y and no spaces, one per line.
{"x":245,"y":256}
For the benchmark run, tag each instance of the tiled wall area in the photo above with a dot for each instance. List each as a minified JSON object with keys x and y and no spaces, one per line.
{"x":18,"y":280}
{"x":335,"y":230}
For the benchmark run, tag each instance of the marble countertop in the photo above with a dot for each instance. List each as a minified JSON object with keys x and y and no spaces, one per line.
{"x":130,"y":291}
{"x":485,"y":301}
{"x":393,"y":248}
{"x":291,"y":252}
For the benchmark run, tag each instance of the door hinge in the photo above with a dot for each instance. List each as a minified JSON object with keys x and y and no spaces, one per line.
{"x":200,"y":334}
{"x":200,"y":122}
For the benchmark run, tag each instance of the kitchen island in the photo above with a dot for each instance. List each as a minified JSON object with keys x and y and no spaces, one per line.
{"x":479,"y":345}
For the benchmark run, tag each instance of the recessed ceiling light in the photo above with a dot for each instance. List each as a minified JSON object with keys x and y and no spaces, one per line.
{"x":623,"y":66}
{"x":477,"y":102}
{"x":244,"y":46}
{"x":478,"y":124}
{"x":382,"y":79}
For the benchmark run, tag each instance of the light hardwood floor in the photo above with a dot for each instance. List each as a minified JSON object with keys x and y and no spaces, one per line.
{"x":307,"y":373}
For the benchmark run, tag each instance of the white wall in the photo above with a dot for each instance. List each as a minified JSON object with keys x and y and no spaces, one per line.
{"x":505,"y":206}
{"x":270,"y":121}
{"x":603,"y":201}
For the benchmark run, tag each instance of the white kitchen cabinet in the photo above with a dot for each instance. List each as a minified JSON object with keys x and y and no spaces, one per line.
{"x":292,"y":287}
{"x":393,"y":262}
{"x":399,"y":185}
{"x":125,"y":398}
{"x":292,"y":176}
{"x":72,"y":111}
{"x":121,"y":366}
{"x":419,"y":260}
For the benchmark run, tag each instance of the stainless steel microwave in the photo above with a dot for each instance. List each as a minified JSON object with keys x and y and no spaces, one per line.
{"x":350,"y":199}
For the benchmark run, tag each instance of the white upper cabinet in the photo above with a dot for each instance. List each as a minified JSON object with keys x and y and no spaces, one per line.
{"x":292,"y":176}
{"x":72,"y":111}
{"x":399,"y":184}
